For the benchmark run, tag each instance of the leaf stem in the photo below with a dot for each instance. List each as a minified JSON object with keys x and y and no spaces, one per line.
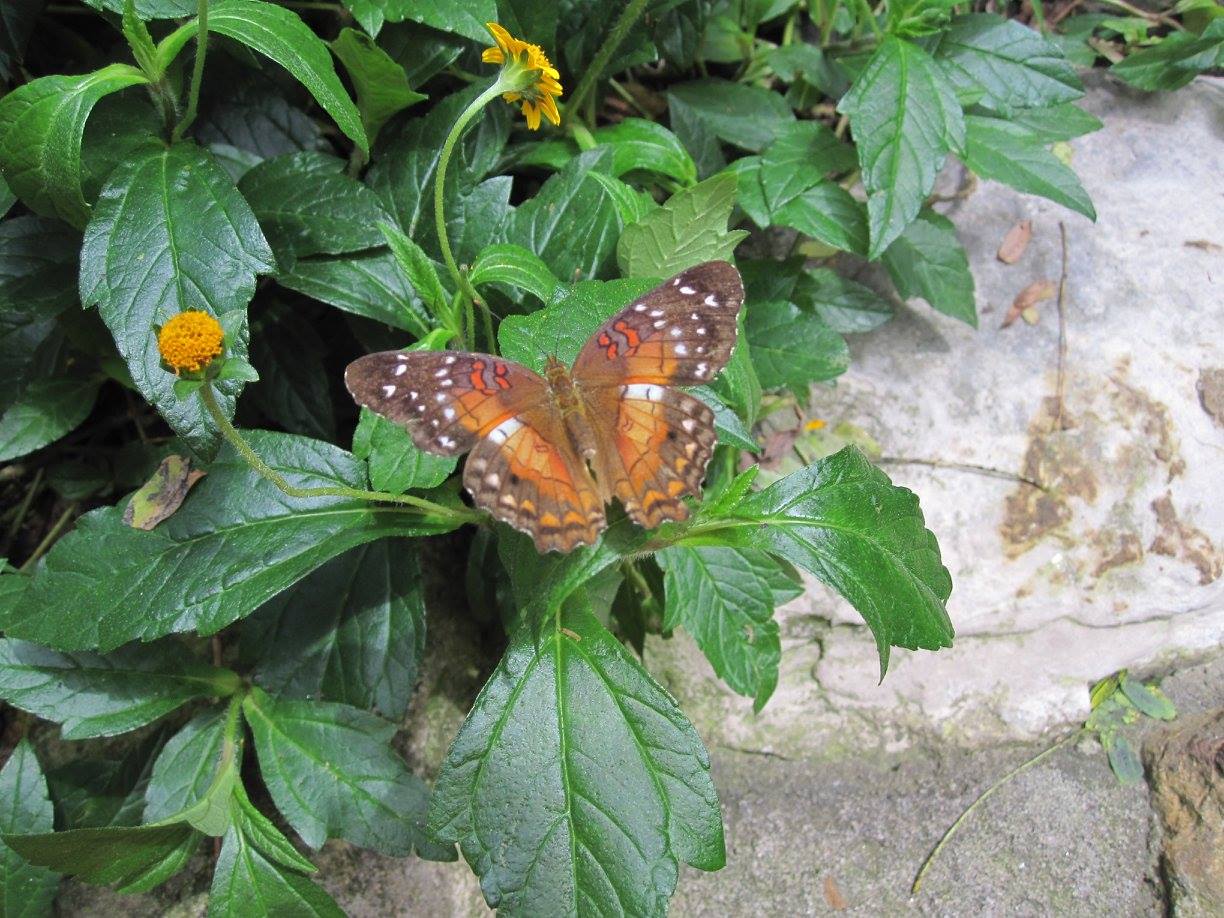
{"x":629,"y":15}
{"x":49,"y":539}
{"x":982,"y":798}
{"x":461,"y":282}
{"x":235,"y":439}
{"x":866,"y":13}
{"x":197,"y":72}
{"x":22,"y":509}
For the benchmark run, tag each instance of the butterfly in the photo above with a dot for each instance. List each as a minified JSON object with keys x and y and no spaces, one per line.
{"x":549,"y":452}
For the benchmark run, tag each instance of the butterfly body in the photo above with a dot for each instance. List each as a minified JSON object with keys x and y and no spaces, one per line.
{"x":548,"y":452}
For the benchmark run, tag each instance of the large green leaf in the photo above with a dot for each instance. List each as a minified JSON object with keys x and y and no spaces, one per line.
{"x":576,"y":784}
{"x":247,"y":883}
{"x":801,"y":157}
{"x":905,"y":119}
{"x":41,"y":125}
{"x":396,"y":463}
{"x":257,"y":118}
{"x":306,"y":205}
{"x":331,"y":771}
{"x":927,"y":260}
{"x":26,"y":891}
{"x":725,"y":597}
{"x":514,"y":265}
{"x":461,"y":17}
{"x":687,"y":230}
{"x":1009,"y":64}
{"x":792,"y":348}
{"x":38,"y":261}
{"x":843,"y":520}
{"x":353,"y":631}
{"x":1176,"y":60}
{"x":1008,"y":153}
{"x":97,"y":792}
{"x":368,"y":284}
{"x":169,"y":233}
{"x":291,"y":391}
{"x":235,"y":543}
{"x":46,"y":410}
{"x":281,"y":34}
{"x":381,"y":84}
{"x":828,"y":213}
{"x":1058,"y":122}
{"x":184,"y":770}
{"x":572,"y":222}
{"x":844,"y":305}
{"x":92,"y":694}
{"x":741,"y":114}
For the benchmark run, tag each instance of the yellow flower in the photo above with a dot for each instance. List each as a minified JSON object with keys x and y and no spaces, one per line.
{"x":540,"y":82}
{"x":190,"y":341}
{"x":814,"y":424}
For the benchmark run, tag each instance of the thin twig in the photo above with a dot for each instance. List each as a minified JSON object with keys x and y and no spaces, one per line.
{"x":1061,"y":382}
{"x":22,"y":510}
{"x":986,"y":470}
{"x":50,"y":537}
{"x":629,"y":15}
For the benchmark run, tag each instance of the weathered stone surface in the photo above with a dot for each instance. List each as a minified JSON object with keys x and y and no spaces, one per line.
{"x":1116,"y":560}
{"x":1185,"y":766}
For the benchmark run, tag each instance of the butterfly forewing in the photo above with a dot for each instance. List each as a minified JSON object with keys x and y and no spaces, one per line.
{"x":679,"y":334}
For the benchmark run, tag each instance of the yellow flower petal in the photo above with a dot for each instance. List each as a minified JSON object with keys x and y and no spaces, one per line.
{"x":500,"y":35}
{"x":527,"y":68}
{"x":532,"y":112}
{"x":549,"y":106}
{"x":493,"y":56}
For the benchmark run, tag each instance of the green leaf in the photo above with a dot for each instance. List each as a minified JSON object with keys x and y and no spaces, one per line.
{"x":576,"y":780}
{"x":791,"y":349}
{"x":260,"y":831}
{"x":381,"y":84}
{"x":687,"y":230}
{"x":235,"y":543}
{"x":331,"y":771}
{"x":514,"y":265}
{"x":749,"y":194}
{"x":140,"y":41}
{"x":396,"y":463}
{"x":927,"y":260}
{"x":738,"y":384}
{"x":741,"y":114}
{"x":257,"y":118}
{"x":905,"y":118}
{"x":1008,"y":153}
{"x":26,"y":891}
{"x":1123,"y":758}
{"x":461,"y":17}
{"x":1013,"y":66}
{"x":369,"y":284}
{"x":829,"y":213}
{"x":631,"y":204}
{"x":149,"y":9}
{"x":46,"y":410}
{"x":41,"y":125}
{"x":1175,"y":61}
{"x":352,"y":632}
{"x":727,"y":424}
{"x":1148,"y":699}
{"x":184,"y":770}
{"x":93,"y":793}
{"x":845,"y":522}
{"x":103,"y":694}
{"x":281,"y":35}
{"x":1058,"y":122}
{"x":306,"y":205}
{"x":169,"y":233}
{"x":638,"y":144}
{"x":804,"y":154}
{"x":419,"y":270}
{"x":725,"y":598}
{"x":844,"y":305}
{"x":572,"y":223}
{"x":132,"y":859}
{"x":38,"y":261}
{"x":249,"y":884}
{"x":564,"y":326}
{"x":291,"y":391}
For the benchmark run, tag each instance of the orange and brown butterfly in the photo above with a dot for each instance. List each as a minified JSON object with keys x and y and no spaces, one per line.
{"x":548,"y":452}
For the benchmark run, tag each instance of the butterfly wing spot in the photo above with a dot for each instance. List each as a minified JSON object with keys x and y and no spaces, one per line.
{"x":388,"y":390}
{"x":687,"y":291}
{"x":639,"y":307}
{"x":681,"y":350}
{"x":711,"y":300}
{"x":505,"y":430}
{"x":677,"y":331}
{"x":401,"y":370}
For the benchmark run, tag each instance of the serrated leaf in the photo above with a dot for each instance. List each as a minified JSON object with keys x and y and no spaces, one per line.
{"x":1057,"y":122}
{"x":397,"y":464}
{"x":268,"y":839}
{"x":94,"y":792}
{"x":291,"y":390}
{"x":844,"y":305}
{"x":725,"y":598}
{"x":829,"y":214}
{"x":741,"y":114}
{"x":1176,"y":60}
{"x":185,"y":768}
{"x":420,"y":271}
{"x":996,"y":149}
{"x":905,"y":119}
{"x":802,"y":156}
{"x":380,"y":83}
{"x":169,"y":233}
{"x":1010,"y":65}
{"x":927,"y":260}
{"x":306,"y":205}
{"x":236,"y":542}
{"x":26,"y":891}
{"x":791,"y":349}
{"x":749,"y":194}
{"x":727,"y":424}
{"x":691,"y":227}
{"x":41,"y":126}
{"x":93,"y":694}
{"x":514,"y":265}
{"x":576,"y":779}
{"x":737,"y":384}
{"x":46,"y":410}
{"x":38,"y":259}
{"x":247,"y":883}
{"x":332,"y":773}
{"x":638,"y":144}
{"x":460,"y":17}
{"x":368,"y":284}
{"x":842,"y":520}
{"x":353,"y":631}
{"x":258,"y":119}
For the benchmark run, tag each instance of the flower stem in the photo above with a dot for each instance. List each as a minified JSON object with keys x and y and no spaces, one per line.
{"x":197,"y":72}
{"x":461,"y":282}
{"x":235,"y":439}
{"x":629,"y":15}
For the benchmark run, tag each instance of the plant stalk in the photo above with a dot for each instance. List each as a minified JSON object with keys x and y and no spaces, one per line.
{"x":629,"y":15}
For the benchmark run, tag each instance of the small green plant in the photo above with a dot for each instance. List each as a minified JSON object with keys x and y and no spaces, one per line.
{"x":210,"y":208}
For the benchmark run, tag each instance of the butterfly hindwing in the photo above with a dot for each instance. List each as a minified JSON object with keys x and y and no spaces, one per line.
{"x":448,"y":400}
{"x":681,"y":333}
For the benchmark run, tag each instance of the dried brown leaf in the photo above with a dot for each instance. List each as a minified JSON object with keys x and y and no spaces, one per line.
{"x":158,"y":498}
{"x":1015,"y":242}
{"x":1029,"y":297}
{"x":833,"y":895}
